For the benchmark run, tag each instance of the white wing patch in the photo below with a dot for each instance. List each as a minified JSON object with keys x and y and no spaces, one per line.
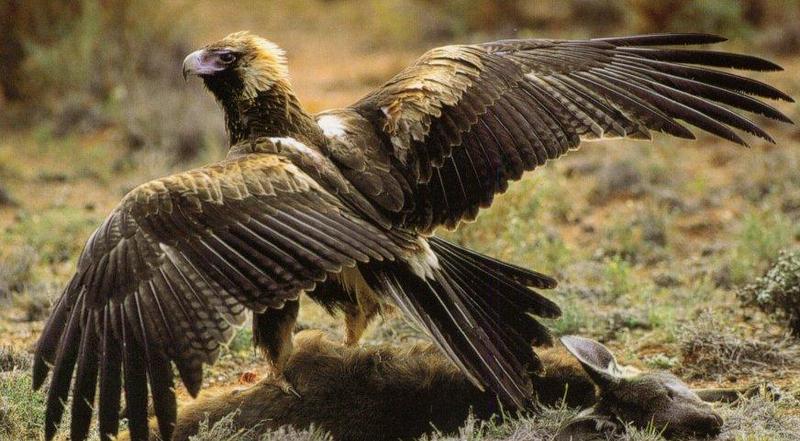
{"x":293,"y":143}
{"x":424,"y":262}
{"x":332,"y":126}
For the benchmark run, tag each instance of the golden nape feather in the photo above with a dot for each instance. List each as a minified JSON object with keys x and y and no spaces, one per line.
{"x":262,"y":62}
{"x":342,"y":205}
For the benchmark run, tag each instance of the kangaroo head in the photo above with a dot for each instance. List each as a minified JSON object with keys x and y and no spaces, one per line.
{"x":657,"y":399}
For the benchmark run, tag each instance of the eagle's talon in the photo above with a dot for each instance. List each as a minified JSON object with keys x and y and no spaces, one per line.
{"x":279,"y":381}
{"x":290,"y":389}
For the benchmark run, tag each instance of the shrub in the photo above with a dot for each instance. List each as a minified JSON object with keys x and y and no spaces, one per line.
{"x":616,"y":179}
{"x":710,"y":349}
{"x":15,"y":269}
{"x":493,"y":17}
{"x":586,"y":13}
{"x":6,"y":199}
{"x":95,"y":64}
{"x":777,"y":292}
{"x":13,"y":360}
{"x":626,"y":319}
{"x":35,"y":301}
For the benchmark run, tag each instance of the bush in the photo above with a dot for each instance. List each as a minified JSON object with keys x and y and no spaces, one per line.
{"x":617,"y":179}
{"x":6,"y":199}
{"x":777,"y":292}
{"x":26,"y":23}
{"x":35,"y":302}
{"x":13,"y":360}
{"x":96,"y":64}
{"x":16,"y":269}
{"x":709,"y":349}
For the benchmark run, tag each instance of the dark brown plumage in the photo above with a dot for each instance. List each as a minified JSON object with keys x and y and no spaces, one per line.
{"x":341,"y":205}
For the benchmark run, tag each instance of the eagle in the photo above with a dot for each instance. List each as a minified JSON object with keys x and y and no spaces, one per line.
{"x":341,"y":206}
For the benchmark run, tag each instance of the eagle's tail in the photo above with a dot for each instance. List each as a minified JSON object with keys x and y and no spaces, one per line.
{"x":478,"y":310}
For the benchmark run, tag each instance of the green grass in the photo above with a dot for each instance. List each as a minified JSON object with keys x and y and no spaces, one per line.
{"x":759,"y":239}
{"x":58,"y":233}
{"x":575,"y":318}
{"x":21,"y":409}
{"x":661,"y":361}
{"x":619,"y":277}
{"x":242,"y":341}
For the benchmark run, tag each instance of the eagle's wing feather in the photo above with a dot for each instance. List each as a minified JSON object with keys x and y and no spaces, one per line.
{"x":454,"y":127}
{"x":172,"y":270}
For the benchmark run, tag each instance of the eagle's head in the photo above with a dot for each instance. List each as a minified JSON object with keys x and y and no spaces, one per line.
{"x":240,"y":66}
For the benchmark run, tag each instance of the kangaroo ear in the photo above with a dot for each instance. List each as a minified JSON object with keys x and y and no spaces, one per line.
{"x":595,"y":358}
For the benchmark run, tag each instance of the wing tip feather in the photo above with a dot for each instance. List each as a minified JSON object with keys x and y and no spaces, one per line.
{"x":664,"y":39}
{"x":40,"y":371}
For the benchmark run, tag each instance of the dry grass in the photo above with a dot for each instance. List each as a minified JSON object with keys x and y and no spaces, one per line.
{"x":225,"y":429}
{"x":710,"y":350}
{"x":761,"y":418}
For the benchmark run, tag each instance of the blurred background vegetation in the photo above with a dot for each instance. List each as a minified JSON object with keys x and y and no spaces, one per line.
{"x":88,"y":65}
{"x":658,"y":247}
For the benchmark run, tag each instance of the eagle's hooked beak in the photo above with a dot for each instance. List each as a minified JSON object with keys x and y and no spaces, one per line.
{"x":190,"y":64}
{"x":202,"y":63}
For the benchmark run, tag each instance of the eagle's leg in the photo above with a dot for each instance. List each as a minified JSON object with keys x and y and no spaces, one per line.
{"x":359,"y":303}
{"x":349,"y":293}
{"x":357,"y":317}
{"x":272,"y":334}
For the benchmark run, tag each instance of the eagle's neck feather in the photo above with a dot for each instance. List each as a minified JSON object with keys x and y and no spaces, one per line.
{"x":273,"y":112}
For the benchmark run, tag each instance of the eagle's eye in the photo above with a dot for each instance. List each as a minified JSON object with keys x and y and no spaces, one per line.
{"x":227,"y":57}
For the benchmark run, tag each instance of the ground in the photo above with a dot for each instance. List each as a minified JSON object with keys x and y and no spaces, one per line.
{"x":650,"y":241}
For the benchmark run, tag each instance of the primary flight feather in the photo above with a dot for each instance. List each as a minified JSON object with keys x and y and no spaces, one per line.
{"x":341,"y":206}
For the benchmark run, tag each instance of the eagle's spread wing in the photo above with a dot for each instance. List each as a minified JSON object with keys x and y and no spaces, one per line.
{"x":446,"y":134}
{"x":175,"y":265}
